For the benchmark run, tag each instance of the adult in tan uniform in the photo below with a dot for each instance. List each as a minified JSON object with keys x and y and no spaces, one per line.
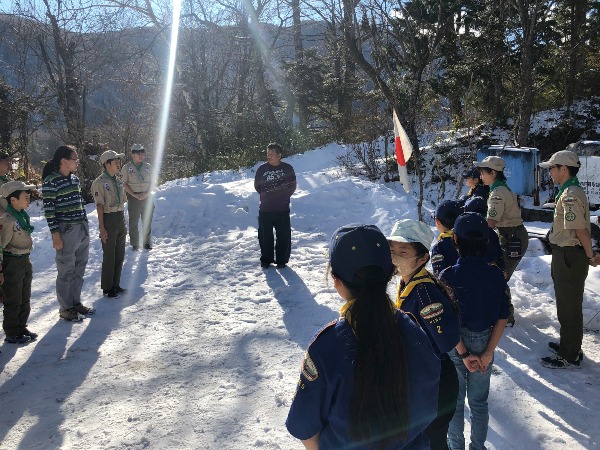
{"x":15,"y":271}
{"x":136,"y":177}
{"x":5,"y":166}
{"x":109,"y":197}
{"x":572,"y":254}
{"x":504,"y":214}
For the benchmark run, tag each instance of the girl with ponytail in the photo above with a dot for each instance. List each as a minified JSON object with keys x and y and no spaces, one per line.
{"x":369,"y":380}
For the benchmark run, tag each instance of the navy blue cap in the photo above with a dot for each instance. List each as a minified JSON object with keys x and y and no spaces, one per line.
{"x":447,"y":212}
{"x":477,"y":205}
{"x":472,"y":227}
{"x":471,"y":172}
{"x":355,"y":246}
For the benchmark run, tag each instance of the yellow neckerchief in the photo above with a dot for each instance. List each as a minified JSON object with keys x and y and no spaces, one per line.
{"x":422,"y":276}
{"x":344,"y":313}
{"x":470,"y":191}
{"x":445,"y":234}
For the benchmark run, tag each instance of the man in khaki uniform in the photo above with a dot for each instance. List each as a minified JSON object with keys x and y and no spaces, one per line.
{"x":5,"y":166}
{"x":109,"y":197}
{"x":572,"y":254}
{"x":15,"y":269}
{"x":136,"y":177}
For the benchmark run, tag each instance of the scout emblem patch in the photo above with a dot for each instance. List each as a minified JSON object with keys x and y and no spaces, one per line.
{"x":309,"y":370}
{"x":437,"y":258}
{"x":107,"y":186}
{"x":432,"y":311}
{"x":492,"y":213}
{"x":570,"y":216}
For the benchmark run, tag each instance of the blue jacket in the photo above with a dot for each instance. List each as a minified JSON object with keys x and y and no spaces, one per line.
{"x":480,"y":290}
{"x":322,"y":400}
{"x":493,"y":253}
{"x":443,"y":252}
{"x":432,"y":309}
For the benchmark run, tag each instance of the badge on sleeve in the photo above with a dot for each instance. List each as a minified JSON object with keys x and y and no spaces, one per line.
{"x":309,"y":370}
{"x":492,"y":213}
{"x":107,"y":186}
{"x":432,"y":311}
{"x":570,"y":216}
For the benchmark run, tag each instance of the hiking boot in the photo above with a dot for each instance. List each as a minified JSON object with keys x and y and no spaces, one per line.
{"x":70,"y":315}
{"x":119,"y":289}
{"x":554,"y":346}
{"x":265,"y":265}
{"x":556,"y":362}
{"x":26,"y":332}
{"x":85,"y":310}
{"x":111,"y":293}
{"x":17,"y":339}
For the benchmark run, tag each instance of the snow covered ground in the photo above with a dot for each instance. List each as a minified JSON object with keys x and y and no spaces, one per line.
{"x":203,"y":351}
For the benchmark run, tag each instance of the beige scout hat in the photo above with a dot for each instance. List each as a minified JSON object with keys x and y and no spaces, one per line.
{"x":110,"y":154}
{"x":12,"y":186}
{"x":492,"y":162}
{"x":562,"y":158}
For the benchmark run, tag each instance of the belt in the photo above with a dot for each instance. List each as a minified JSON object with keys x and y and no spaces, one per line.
{"x":114,"y":212}
{"x":14,"y":255}
{"x":567,"y":248}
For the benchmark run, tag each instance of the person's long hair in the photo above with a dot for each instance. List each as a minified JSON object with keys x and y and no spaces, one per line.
{"x":379,"y":403}
{"x":62,"y":152}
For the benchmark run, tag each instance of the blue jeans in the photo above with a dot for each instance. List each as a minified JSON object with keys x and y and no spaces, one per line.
{"x":476,"y":386}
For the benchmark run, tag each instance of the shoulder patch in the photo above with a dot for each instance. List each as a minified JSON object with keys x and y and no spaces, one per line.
{"x":437,"y":258}
{"x":568,"y":200}
{"x":309,"y":370}
{"x":432,"y":311}
{"x":496,"y":198}
{"x":492,"y":213}
{"x":570,"y":216}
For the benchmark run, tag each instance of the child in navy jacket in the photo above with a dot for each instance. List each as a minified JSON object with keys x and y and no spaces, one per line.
{"x":480,"y":290}
{"x":443,"y":252}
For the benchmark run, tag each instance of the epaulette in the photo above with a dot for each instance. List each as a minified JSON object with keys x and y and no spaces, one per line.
{"x":325,"y":327}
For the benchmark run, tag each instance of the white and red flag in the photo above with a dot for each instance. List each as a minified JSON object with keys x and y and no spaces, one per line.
{"x":403,"y":152}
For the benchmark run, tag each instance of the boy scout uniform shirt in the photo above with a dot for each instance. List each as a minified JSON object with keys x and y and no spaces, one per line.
{"x":109,"y":192}
{"x":138,"y":180}
{"x":572,"y":212}
{"x":322,"y":400}
{"x":480,"y":291}
{"x":432,"y":309}
{"x":13,"y":238}
{"x":443,"y":252}
{"x":504,"y":208}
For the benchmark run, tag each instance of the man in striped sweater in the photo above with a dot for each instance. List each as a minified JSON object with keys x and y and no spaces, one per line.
{"x":66,"y":217}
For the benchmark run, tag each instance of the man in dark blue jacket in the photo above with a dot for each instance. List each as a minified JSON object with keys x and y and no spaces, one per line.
{"x":275,"y":182}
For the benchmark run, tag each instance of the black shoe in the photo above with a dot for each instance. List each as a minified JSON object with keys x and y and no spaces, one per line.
{"x":135,"y":248}
{"x":111,"y":293}
{"x":26,"y":332}
{"x":265,"y":265}
{"x":281,"y":266}
{"x":119,"y":289}
{"x":17,"y":339}
{"x":556,"y":362}
{"x":554,"y":346}
{"x":147,"y":246}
